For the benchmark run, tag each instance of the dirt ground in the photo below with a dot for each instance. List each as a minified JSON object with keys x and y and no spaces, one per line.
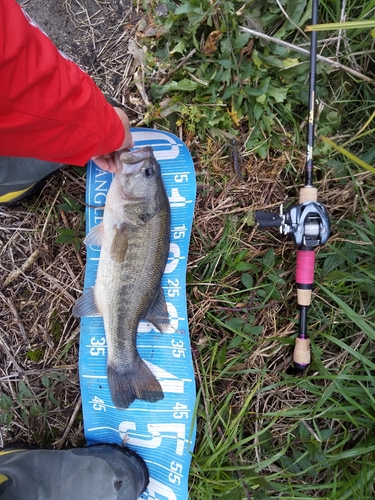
{"x":94,"y":34}
{"x":66,"y":23}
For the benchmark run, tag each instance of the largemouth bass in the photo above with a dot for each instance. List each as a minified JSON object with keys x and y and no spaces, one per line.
{"x":134,"y":238}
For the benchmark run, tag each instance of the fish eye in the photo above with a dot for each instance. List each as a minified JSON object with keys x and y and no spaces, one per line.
{"x":149,"y":172}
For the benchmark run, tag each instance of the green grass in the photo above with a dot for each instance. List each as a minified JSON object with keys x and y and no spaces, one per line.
{"x":265,"y":432}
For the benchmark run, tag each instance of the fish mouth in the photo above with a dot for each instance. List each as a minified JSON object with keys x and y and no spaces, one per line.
{"x":132,"y":162}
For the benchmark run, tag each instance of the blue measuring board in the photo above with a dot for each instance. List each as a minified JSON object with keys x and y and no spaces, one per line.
{"x":162,"y":433}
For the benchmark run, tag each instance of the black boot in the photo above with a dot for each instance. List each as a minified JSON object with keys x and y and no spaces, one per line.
{"x":22,"y":177}
{"x":99,"y":472}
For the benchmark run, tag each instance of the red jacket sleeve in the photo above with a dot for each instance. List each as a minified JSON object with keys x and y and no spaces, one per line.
{"x":49,"y":108}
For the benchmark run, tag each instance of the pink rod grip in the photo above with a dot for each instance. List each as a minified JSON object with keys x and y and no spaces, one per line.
{"x":305,"y":267}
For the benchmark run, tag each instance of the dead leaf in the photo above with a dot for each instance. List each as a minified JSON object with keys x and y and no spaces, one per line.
{"x":149,"y":33}
{"x":136,"y":51}
{"x":248,"y":49}
{"x":210,"y":45}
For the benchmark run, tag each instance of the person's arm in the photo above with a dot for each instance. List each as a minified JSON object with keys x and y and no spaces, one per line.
{"x":49,"y":108}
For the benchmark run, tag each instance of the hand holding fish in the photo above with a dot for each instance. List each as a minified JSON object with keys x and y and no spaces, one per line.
{"x":107,"y":161}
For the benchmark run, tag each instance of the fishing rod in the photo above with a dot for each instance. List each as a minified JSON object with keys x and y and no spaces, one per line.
{"x":306,"y":223}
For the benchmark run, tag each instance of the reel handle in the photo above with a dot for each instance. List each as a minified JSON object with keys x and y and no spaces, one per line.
{"x":267,"y":219}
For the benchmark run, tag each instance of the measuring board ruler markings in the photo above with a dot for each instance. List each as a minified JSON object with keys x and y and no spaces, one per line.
{"x":163,"y":433}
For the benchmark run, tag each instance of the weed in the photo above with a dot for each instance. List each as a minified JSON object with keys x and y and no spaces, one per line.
{"x":69,"y":236}
{"x":30,"y":406}
{"x":56,"y":327}
{"x":35,"y":355}
{"x":66,"y":234}
{"x":233,"y":84}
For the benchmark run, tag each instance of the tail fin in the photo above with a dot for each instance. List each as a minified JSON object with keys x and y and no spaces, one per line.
{"x":137,"y":383}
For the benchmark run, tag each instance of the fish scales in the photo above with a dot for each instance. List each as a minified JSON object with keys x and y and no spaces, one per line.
{"x":134,"y":239}
{"x":127,"y":288}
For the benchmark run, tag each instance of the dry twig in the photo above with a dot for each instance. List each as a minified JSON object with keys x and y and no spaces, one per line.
{"x":335,"y":64}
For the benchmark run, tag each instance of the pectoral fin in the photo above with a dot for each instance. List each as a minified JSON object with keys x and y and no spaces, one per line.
{"x":119,"y":245}
{"x":158,"y":312}
{"x":95,"y":236}
{"x":85,"y":305}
